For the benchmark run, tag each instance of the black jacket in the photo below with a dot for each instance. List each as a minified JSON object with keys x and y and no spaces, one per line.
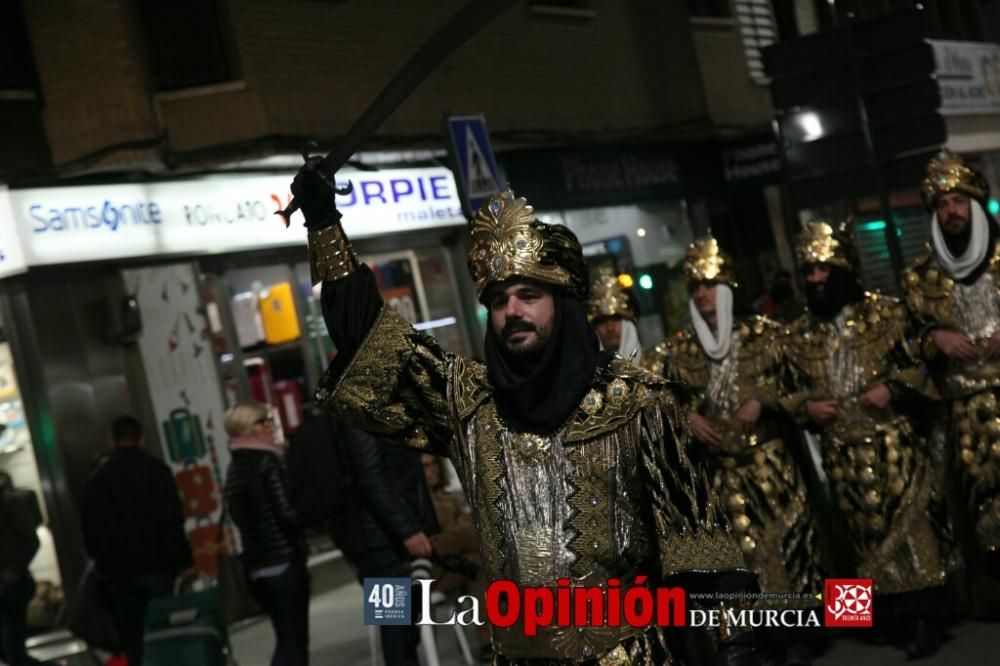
{"x":258,"y":502}
{"x":133,"y":522}
{"x":394,"y":497}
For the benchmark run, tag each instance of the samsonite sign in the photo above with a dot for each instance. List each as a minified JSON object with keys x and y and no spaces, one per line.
{"x":215,"y":214}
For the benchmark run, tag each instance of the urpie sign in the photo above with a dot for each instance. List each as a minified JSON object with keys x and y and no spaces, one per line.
{"x":215,"y":214}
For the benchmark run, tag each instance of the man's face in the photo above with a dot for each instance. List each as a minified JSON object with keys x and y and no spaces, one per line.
{"x":522,"y":315}
{"x":816,"y":277}
{"x":953,"y":212}
{"x":703,"y":296}
{"x":609,"y":330}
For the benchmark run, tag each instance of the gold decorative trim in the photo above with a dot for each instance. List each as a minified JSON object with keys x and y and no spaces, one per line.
{"x":331,"y":256}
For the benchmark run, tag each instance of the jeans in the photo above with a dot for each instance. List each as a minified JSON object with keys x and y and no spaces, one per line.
{"x":14,"y":598}
{"x":285,"y":598}
{"x":399,"y":643}
{"x":129,"y":599}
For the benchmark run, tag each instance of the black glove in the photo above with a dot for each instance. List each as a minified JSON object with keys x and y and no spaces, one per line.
{"x":314,"y":196}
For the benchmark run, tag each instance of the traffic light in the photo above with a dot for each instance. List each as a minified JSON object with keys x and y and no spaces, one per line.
{"x":993,"y":206}
{"x":646,"y":281}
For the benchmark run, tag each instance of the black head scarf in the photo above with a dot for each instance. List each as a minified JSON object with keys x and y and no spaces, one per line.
{"x":539,"y":395}
{"x":841,"y":288}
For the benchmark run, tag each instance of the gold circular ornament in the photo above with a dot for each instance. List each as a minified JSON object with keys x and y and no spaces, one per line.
{"x":532,"y":448}
{"x":736,"y":502}
{"x":617,"y":392}
{"x":896,"y":487}
{"x":592,"y":402}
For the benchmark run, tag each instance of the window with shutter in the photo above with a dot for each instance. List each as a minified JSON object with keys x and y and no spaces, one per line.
{"x":913,"y":229}
{"x":757,"y":26}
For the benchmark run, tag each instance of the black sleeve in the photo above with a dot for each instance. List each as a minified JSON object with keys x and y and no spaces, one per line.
{"x":172,"y":520}
{"x":367,"y":460}
{"x":350,"y":308}
{"x":20,"y":527}
{"x":89,"y":521}
{"x":275,"y":484}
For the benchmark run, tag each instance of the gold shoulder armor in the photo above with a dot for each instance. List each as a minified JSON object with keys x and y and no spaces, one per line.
{"x":655,"y":359}
{"x":759,"y":344}
{"x":470,"y":386}
{"x":686,"y":353}
{"x":927,"y":289}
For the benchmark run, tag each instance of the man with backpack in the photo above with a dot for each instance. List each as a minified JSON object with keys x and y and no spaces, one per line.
{"x":374,"y":501}
{"x":20,"y":516}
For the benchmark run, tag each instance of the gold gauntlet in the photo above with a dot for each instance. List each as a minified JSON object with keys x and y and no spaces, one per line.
{"x":331,"y":256}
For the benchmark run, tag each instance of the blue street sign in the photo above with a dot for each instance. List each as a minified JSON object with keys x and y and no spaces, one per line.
{"x":476,"y":172}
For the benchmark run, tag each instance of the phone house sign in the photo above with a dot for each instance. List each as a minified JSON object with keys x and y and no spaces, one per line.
{"x":211,"y":215}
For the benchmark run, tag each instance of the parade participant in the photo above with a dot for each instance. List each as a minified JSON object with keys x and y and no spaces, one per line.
{"x":612,"y":311}
{"x":574,"y":464}
{"x":734,"y":368}
{"x":864,"y":392}
{"x":952,"y":292}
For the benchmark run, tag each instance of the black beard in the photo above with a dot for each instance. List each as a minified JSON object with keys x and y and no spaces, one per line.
{"x":526,"y":357}
{"x":957,"y":243}
{"x":841,"y":288}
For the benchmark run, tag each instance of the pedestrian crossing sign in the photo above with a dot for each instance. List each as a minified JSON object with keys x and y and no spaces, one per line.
{"x":476,"y":172}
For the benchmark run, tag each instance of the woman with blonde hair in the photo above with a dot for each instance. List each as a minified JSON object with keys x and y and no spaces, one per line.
{"x":274,"y":553}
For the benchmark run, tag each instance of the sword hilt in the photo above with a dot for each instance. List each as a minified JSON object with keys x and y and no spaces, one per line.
{"x":293,"y":205}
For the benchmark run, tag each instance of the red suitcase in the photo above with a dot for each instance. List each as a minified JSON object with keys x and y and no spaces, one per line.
{"x":198,"y":492}
{"x":205,"y":548}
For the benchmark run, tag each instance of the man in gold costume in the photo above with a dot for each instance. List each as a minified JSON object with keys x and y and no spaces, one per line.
{"x":574,"y":463}
{"x":612,"y":311}
{"x":735,"y":370}
{"x":862,"y":389}
{"x":953,"y":292}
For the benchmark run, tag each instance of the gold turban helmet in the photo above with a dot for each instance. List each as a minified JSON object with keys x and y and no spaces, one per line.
{"x":946,"y":173}
{"x":509,"y":241}
{"x":821,"y":243}
{"x":608,"y":298}
{"x":705,"y":261}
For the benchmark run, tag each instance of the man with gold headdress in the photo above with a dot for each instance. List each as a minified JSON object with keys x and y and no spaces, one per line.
{"x":612,"y":311}
{"x":862,"y":389}
{"x":574,"y":463}
{"x":953,"y":292}
{"x":734,"y":368}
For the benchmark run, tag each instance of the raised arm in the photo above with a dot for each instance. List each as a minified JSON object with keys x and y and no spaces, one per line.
{"x":387,"y":378}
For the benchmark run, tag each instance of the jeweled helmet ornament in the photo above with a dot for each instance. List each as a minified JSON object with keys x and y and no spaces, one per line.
{"x":705,"y":261}
{"x":608,"y":298}
{"x":509,"y":241}
{"x":822,"y":243}
{"x":948,"y":172}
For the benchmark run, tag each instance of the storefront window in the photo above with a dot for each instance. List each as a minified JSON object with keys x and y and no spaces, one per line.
{"x":17,"y":458}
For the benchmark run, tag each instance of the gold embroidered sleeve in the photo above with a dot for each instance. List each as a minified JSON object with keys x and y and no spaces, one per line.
{"x":395,"y":387}
{"x":927,"y":293}
{"x":693,"y":535}
{"x":908,"y":376}
{"x":762,"y":365}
